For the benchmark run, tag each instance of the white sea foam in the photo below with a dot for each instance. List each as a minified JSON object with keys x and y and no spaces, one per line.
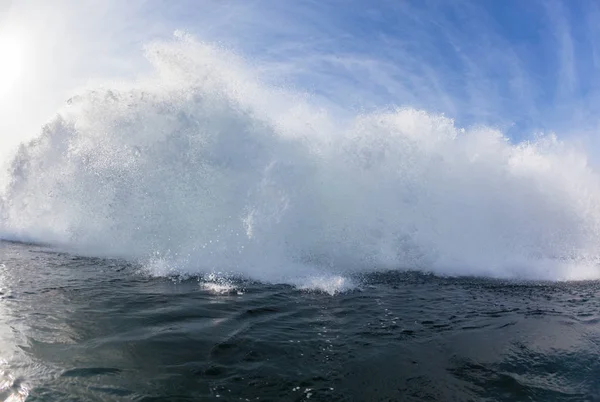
{"x":201,"y":168}
{"x":219,"y":284}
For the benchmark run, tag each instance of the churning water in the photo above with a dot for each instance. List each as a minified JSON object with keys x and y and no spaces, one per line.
{"x":251,"y":196}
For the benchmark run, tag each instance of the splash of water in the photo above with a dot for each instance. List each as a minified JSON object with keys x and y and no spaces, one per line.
{"x":201,"y":168}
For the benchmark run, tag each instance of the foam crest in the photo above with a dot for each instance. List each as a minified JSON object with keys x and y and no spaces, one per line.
{"x":200,"y":168}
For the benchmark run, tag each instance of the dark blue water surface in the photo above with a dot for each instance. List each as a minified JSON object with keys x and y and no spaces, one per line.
{"x":85,"y":329}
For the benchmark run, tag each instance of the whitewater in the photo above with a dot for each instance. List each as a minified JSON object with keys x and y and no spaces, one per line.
{"x":198,"y":167}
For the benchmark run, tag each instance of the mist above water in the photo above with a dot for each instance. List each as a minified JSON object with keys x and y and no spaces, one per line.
{"x":200,"y":168}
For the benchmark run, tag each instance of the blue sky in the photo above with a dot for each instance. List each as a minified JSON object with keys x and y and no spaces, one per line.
{"x":521,"y":66}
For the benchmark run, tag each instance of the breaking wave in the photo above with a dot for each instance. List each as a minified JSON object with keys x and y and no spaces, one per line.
{"x":200,"y":168}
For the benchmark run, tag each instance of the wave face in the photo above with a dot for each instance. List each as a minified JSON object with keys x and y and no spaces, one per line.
{"x":199,"y":168}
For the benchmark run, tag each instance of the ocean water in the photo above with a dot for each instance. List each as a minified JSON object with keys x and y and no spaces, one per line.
{"x":89,"y":329}
{"x":195,"y":233}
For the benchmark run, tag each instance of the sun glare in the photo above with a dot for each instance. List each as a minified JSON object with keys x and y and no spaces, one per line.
{"x":11,"y":62}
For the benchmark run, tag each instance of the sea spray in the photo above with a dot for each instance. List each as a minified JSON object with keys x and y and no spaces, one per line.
{"x":200,"y":168}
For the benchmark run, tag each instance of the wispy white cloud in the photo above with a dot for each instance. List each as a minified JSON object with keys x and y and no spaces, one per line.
{"x":567,"y":75}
